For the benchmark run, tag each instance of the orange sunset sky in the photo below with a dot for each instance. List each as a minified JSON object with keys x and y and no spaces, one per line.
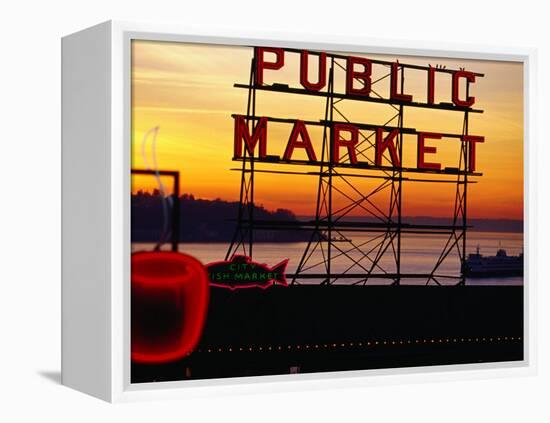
{"x":187,"y":91}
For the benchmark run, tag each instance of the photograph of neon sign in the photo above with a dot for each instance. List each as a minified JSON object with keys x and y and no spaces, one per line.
{"x":371,"y":205}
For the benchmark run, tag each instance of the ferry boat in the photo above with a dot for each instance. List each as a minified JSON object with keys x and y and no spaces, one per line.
{"x":335,"y":238}
{"x":478,"y":265}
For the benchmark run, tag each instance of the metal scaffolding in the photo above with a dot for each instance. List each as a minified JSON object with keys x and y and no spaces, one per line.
{"x":378,"y":255}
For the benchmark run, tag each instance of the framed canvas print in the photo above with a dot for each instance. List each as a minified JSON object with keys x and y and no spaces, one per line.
{"x":246,"y":208}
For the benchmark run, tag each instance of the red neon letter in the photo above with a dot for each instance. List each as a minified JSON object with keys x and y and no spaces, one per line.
{"x":387,"y":143}
{"x":261,"y":64}
{"x":322,"y":80}
{"x":337,"y":142}
{"x":470,"y":77}
{"x":423,"y":149}
{"x":300,"y":130}
{"x":259,"y":134}
{"x":363,"y":76}
{"x":431,"y":85}
{"x":472,"y":140}
{"x":394,"y":95}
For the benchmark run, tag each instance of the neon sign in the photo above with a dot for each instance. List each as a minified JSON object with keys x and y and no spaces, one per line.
{"x":242,"y":272}
{"x":170,"y":296}
{"x":344,"y":136}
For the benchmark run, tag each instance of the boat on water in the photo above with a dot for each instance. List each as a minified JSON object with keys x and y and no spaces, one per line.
{"x":479,"y":266}
{"x":335,"y":238}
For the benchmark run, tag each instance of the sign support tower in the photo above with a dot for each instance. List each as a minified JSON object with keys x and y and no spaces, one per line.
{"x":330,"y":255}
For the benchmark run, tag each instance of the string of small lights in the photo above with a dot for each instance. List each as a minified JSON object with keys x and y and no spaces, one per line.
{"x":360,"y":344}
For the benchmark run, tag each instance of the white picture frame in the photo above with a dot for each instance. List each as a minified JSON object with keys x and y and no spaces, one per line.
{"x":96,"y":159}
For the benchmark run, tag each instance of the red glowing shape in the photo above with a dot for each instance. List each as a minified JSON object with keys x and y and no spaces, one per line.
{"x":170,"y":293}
{"x":242,"y":272}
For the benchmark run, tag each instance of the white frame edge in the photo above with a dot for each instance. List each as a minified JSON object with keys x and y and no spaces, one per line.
{"x":86,"y":140}
{"x":118,"y":346}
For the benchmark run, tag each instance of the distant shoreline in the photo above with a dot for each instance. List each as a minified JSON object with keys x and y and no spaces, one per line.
{"x":289,"y":242}
{"x":475,"y":224}
{"x":214,"y":221}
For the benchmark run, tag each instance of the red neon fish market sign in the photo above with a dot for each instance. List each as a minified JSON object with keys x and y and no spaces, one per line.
{"x":242,"y":272}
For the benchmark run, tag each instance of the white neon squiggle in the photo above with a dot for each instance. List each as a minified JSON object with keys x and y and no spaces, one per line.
{"x":165,"y":202}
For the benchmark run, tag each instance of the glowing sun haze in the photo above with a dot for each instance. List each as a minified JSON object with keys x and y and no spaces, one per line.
{"x":187,"y":91}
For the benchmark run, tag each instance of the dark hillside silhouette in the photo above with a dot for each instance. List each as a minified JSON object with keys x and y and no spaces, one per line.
{"x":204,"y":220}
{"x":215,"y":221}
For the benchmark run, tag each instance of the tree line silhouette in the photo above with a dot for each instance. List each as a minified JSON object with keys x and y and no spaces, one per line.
{"x":203,"y":220}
